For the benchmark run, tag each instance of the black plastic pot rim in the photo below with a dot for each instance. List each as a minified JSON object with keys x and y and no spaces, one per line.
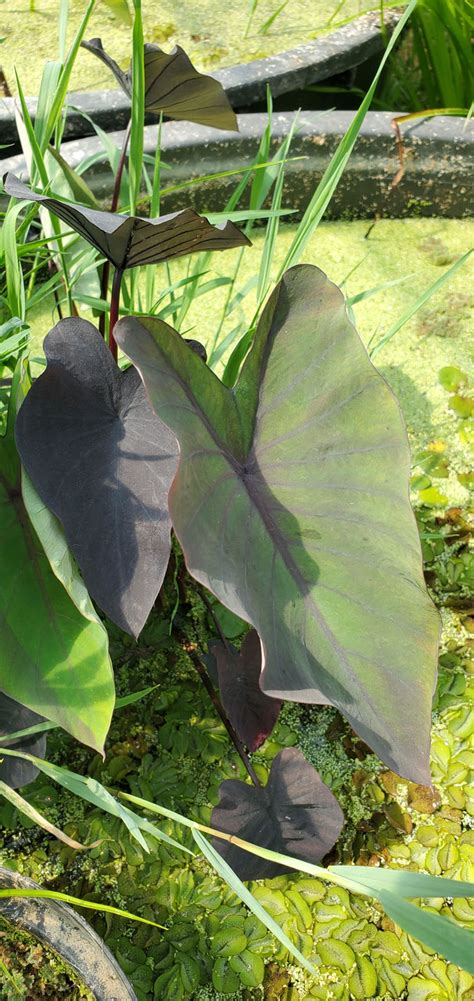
{"x":67,"y":933}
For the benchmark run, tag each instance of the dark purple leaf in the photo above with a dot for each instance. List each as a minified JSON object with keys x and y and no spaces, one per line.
{"x":252,"y":713}
{"x":173,"y":86}
{"x":129,"y":241}
{"x":291,"y":506}
{"x":103,"y":463}
{"x":13,"y":717}
{"x":295,"y":814}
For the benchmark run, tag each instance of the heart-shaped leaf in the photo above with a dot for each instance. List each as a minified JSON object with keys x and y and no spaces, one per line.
{"x":291,"y":506}
{"x":53,"y":650}
{"x":103,"y":463}
{"x":252,"y":713}
{"x":17,"y":772}
{"x":129,"y":241}
{"x":173,"y":86}
{"x":294,"y":814}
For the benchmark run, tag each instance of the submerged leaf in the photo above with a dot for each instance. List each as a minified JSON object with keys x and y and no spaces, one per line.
{"x":174,"y":87}
{"x":252,"y":713}
{"x":129,"y":241}
{"x":16,"y":772}
{"x":291,"y":506}
{"x":103,"y":463}
{"x":294,"y":814}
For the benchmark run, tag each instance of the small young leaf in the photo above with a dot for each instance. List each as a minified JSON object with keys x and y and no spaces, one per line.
{"x":295,"y":812}
{"x":174,"y":87}
{"x":129,"y":241}
{"x":103,"y":463}
{"x":452,"y":378}
{"x":252,"y":713}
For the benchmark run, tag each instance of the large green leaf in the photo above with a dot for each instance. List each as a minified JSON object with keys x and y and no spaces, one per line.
{"x":53,"y":649}
{"x":291,"y":505}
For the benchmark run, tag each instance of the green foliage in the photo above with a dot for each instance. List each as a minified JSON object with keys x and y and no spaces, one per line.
{"x":191,"y":901}
{"x":172,"y":749}
{"x":433,"y":66}
{"x":29,"y":968}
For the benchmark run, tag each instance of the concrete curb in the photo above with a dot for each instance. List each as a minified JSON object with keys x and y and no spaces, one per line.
{"x":439,"y":163}
{"x":245,"y":83}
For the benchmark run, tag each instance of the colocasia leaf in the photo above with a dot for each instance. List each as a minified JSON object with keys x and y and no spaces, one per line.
{"x":295,"y":814}
{"x":252,"y":713}
{"x":129,"y":241}
{"x":291,"y":506}
{"x":16,"y":772}
{"x":173,"y":86}
{"x":103,"y":462}
{"x":53,"y":650}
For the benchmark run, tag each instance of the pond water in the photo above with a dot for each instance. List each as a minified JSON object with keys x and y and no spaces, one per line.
{"x":211,"y":31}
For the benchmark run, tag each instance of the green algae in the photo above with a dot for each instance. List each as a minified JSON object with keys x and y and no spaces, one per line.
{"x":211,"y":32}
{"x":27,"y":966}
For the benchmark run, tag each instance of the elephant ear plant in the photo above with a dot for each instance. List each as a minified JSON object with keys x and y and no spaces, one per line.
{"x":173,"y":87}
{"x":287,"y":493}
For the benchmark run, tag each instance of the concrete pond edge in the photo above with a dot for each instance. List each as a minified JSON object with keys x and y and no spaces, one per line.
{"x":437,"y":177}
{"x":245,"y":84}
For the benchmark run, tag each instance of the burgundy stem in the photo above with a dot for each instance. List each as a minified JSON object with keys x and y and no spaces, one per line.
{"x":114,"y":310}
{"x":104,"y":284}
{"x":221,"y":712}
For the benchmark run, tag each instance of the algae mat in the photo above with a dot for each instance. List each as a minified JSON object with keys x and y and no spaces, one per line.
{"x":213,"y":32}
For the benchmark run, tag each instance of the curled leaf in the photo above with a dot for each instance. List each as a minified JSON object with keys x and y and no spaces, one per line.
{"x":130,"y":241}
{"x":103,"y":462}
{"x":174,"y":86}
{"x":294,"y":814}
{"x":252,"y":713}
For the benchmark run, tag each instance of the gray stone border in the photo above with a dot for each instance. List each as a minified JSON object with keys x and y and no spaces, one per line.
{"x":245,"y":83}
{"x":439,"y":163}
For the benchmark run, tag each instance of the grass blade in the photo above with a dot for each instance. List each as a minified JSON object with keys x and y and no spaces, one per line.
{"x":93,"y":792}
{"x":232,"y":880}
{"x":422,"y":299}
{"x":63,"y":84}
{"x":439,"y":933}
{"x":332,"y":175}
{"x":66,"y":898}
{"x":135,"y":160}
{"x":30,"y":811}
{"x":405,"y":883}
{"x":126,"y":700}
